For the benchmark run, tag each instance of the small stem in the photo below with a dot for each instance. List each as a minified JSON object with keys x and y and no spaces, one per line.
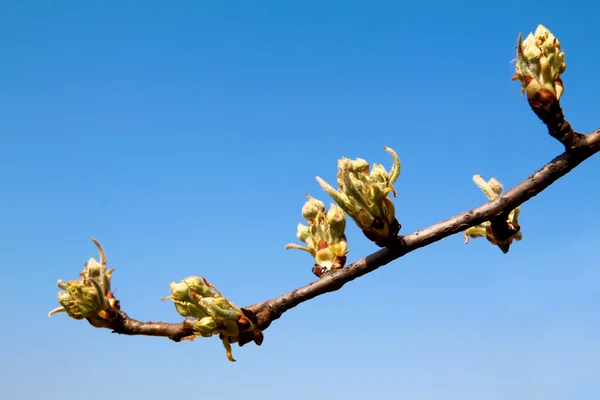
{"x":550,"y":112}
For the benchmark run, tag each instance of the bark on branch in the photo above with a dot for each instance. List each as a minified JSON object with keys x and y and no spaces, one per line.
{"x":128,"y":326}
{"x":578,"y":148}
{"x":270,"y":310}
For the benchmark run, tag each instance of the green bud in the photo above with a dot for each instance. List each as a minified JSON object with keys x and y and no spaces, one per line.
{"x":379,"y":174}
{"x":493,"y":189}
{"x":80,"y":300}
{"x":485,"y":187}
{"x":312,"y":208}
{"x":206,"y":327}
{"x":220,"y":309}
{"x":189,"y":309}
{"x":540,"y":62}
{"x":195,"y":297}
{"x":363,"y":196}
{"x":182,"y":290}
{"x":90,"y":296}
{"x":323,"y":235}
{"x":186,"y":294}
{"x":358,"y":166}
{"x":364,"y":219}
{"x":495,"y":186}
{"x":303,"y":233}
{"x":396,"y":167}
{"x":337,"y":222}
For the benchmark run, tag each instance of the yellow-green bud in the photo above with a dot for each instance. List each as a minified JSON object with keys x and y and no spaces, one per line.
{"x":540,"y":62}
{"x":493,"y":189}
{"x":312,"y":208}
{"x":337,"y":222}
{"x":324,"y":235}
{"x":363,"y":196}
{"x":206,"y":327}
{"x":303,"y":233}
{"x":90,"y":296}
{"x":195,"y":297}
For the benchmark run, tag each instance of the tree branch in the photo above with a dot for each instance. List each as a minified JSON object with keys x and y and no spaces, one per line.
{"x":128,"y":326}
{"x":548,"y":110}
{"x":539,"y":66}
{"x":270,"y":310}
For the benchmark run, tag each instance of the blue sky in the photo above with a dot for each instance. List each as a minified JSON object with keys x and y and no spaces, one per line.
{"x":184,"y":135}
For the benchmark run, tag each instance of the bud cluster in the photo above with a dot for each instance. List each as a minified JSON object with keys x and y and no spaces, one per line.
{"x":540,"y":62}
{"x":493,"y":189}
{"x":90,"y":296}
{"x":196,"y":298}
{"x":363,"y":195}
{"x":324,"y":236}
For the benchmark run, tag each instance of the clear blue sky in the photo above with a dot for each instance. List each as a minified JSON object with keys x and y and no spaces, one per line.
{"x":184,"y":135}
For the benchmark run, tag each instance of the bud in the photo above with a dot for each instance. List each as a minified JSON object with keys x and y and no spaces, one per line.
{"x":312,"y":208}
{"x":324,"y":236}
{"x":185,"y":294}
{"x":206,"y":327}
{"x":540,"y":62}
{"x":220,"y":308}
{"x":363,"y":196}
{"x":303,"y":233}
{"x":510,"y":231}
{"x":495,"y":186}
{"x":337,"y":222}
{"x":90,"y":296}
{"x":195,"y":297}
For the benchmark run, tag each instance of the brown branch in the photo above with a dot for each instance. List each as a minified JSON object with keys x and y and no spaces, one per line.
{"x":547,"y":108}
{"x":122,"y":324}
{"x":270,"y":310}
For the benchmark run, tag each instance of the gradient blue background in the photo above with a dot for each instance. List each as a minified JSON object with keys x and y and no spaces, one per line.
{"x":184,"y":135}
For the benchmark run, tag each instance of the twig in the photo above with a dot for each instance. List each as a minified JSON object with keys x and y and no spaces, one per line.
{"x":270,"y":310}
{"x":128,"y":326}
